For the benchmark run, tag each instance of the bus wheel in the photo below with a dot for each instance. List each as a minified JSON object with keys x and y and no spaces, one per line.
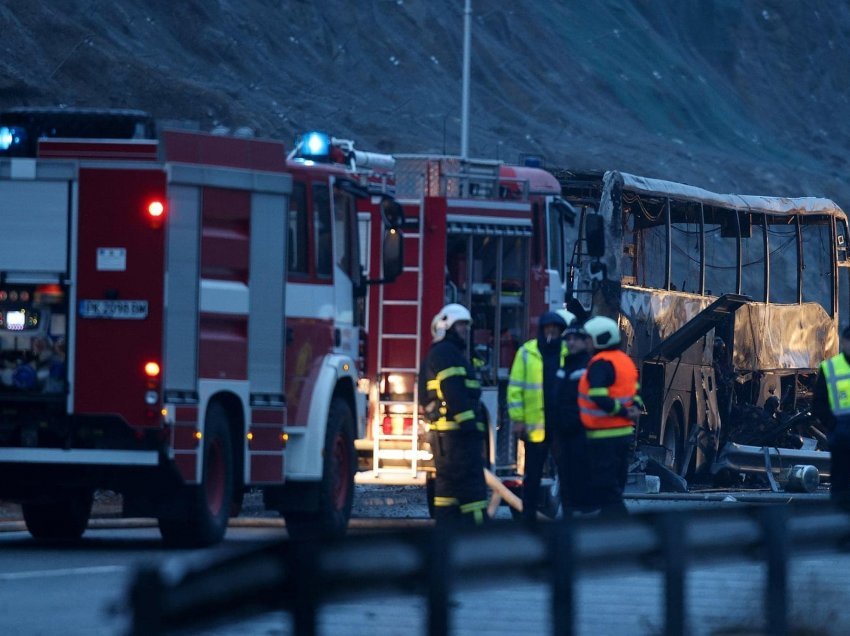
{"x":336,"y":490}
{"x":64,"y":516}
{"x":673,"y":441}
{"x":197,"y":517}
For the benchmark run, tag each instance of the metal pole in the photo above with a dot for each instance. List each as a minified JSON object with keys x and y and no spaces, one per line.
{"x":563,"y":575}
{"x":464,"y":118}
{"x":774,"y":520}
{"x":671,"y":531}
{"x":438,"y":572}
{"x":304,"y":560}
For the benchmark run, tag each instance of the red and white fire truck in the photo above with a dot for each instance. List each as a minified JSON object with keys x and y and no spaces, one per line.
{"x":480,"y":233}
{"x":180,"y":320}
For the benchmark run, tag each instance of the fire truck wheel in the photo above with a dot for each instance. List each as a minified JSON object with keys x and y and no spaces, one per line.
{"x":63,"y":516}
{"x":200,"y":517}
{"x":336,"y":491}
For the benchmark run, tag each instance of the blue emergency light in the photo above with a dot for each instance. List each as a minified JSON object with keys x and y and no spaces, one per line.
{"x":6,"y":138}
{"x":316,"y":146}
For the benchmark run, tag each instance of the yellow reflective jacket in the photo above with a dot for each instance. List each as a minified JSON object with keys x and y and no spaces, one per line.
{"x":836,"y":373}
{"x":525,"y":389}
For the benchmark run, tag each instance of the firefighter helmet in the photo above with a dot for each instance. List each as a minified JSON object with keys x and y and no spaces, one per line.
{"x":448,"y":316}
{"x":604,"y":331}
{"x":568,"y":316}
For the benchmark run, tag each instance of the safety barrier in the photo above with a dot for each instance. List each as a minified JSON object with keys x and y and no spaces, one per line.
{"x":298,"y":577}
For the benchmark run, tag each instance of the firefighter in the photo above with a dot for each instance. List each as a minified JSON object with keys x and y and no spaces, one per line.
{"x":569,"y":440}
{"x":452,"y":404}
{"x":531,"y":402}
{"x":609,"y":406}
{"x":831,"y":405}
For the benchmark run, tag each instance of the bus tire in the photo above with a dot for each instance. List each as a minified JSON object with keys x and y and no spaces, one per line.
{"x":62,"y":517}
{"x":673,"y":441}
{"x":336,"y":490}
{"x":198,"y":514}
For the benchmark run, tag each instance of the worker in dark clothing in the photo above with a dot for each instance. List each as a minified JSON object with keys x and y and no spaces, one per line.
{"x":451,"y":396}
{"x":831,"y":405}
{"x":531,"y":402}
{"x":569,"y":445}
{"x":609,"y":406}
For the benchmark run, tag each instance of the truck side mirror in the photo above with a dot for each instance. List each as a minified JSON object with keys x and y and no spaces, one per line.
{"x":393,"y":255}
{"x":392,"y":213}
{"x":594,"y":234}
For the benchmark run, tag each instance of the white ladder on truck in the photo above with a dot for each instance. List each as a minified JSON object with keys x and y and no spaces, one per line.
{"x":385,"y":446}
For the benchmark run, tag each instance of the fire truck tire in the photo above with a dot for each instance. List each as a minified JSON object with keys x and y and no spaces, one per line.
{"x":63,"y":517}
{"x":200,"y":516}
{"x":336,"y":490}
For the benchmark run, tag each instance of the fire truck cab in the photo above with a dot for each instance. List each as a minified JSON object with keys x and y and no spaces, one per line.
{"x":181,"y":319}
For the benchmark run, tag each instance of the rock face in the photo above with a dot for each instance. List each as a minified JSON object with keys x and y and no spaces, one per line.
{"x":747,"y":97}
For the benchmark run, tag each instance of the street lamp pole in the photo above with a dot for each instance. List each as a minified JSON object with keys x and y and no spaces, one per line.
{"x":464,"y":119}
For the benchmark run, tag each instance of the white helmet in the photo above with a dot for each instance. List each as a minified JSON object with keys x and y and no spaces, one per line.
{"x":448,"y":315}
{"x":604,"y":331}
{"x":568,"y":316}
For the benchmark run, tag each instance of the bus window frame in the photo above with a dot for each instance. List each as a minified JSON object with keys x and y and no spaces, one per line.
{"x":769,"y":255}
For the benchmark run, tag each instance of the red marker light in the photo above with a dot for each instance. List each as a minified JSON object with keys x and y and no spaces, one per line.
{"x":156,"y":209}
{"x":151,"y":369}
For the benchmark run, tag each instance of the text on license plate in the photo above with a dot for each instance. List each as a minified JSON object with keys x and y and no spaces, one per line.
{"x":115,"y":309}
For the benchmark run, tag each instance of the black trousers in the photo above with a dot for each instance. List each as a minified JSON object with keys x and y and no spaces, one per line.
{"x":569,"y":448}
{"x":459,"y":460}
{"x":536,"y":454}
{"x":609,"y":469}
{"x":839,"y":449}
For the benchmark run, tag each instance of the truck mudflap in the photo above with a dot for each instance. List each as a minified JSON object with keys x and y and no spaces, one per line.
{"x":778,"y":464}
{"x":91,"y":457}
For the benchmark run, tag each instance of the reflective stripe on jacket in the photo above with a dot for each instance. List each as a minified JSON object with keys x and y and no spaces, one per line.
{"x":449,"y":381}
{"x":836,"y":373}
{"x":525,"y":389}
{"x":623,"y":391}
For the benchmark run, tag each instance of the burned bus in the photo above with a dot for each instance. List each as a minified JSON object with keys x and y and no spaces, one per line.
{"x":728,"y":304}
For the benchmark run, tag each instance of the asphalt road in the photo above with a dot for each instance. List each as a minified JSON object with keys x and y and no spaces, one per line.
{"x":79,"y":589}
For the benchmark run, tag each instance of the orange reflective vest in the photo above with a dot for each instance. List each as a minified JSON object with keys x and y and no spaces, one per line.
{"x":623,"y":391}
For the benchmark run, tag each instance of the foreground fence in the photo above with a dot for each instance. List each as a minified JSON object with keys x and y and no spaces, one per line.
{"x":299,"y":577}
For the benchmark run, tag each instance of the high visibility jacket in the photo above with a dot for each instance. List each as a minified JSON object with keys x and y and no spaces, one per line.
{"x":525,"y":389}
{"x":836,"y":373}
{"x":623,"y":392}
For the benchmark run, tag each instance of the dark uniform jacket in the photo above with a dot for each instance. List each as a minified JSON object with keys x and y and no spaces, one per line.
{"x":449,"y":387}
{"x":566,"y":395}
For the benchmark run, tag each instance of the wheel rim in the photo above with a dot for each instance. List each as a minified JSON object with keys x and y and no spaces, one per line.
{"x":214,"y":477}
{"x":341,"y":463}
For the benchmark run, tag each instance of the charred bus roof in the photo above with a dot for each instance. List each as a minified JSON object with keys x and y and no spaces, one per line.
{"x":587,"y":187}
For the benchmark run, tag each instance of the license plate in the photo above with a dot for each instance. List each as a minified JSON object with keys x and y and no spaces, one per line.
{"x":114,"y":309}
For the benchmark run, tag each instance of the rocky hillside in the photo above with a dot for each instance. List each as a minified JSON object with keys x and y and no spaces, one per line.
{"x":749,"y":97}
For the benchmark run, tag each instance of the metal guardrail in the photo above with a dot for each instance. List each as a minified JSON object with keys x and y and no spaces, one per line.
{"x":298,"y":577}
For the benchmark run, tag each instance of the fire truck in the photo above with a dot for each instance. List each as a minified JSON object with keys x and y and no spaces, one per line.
{"x":181,"y":319}
{"x":477,"y":232}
